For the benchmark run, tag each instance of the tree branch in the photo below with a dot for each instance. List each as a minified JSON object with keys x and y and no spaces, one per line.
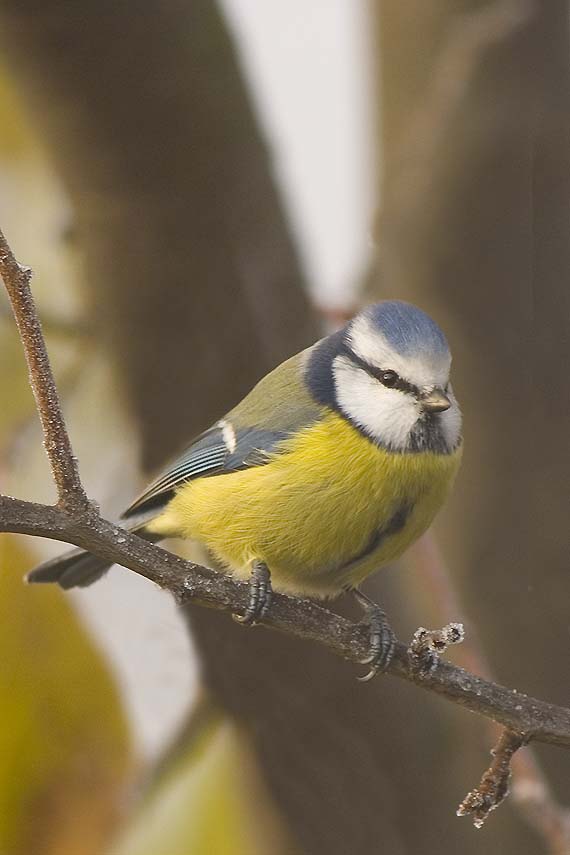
{"x":56,"y":439}
{"x":530,"y":790}
{"x":494,"y":785}
{"x":75,"y":520}
{"x":190,"y":582}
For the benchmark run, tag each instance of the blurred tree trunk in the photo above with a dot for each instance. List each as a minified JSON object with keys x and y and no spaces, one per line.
{"x":474,"y":227}
{"x":191,"y":275}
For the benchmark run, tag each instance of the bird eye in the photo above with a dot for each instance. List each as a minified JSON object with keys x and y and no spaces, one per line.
{"x":389,"y":379}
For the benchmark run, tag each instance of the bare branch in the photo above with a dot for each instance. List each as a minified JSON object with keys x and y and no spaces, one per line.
{"x":494,"y":786}
{"x":56,"y":440}
{"x":530,"y":790}
{"x":54,"y":325}
{"x":190,"y":582}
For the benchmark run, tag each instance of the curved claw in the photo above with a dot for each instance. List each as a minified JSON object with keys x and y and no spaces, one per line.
{"x":368,"y":676}
{"x":382,"y":638}
{"x":247,"y":618}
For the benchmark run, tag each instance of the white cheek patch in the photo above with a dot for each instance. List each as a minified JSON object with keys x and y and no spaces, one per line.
{"x":387,"y":415}
{"x":368,"y":343}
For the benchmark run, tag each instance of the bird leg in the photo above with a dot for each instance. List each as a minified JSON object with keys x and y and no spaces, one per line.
{"x":382,"y":638}
{"x":260,"y":594}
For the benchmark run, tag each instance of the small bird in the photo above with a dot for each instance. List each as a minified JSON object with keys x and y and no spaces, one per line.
{"x":332,"y":465}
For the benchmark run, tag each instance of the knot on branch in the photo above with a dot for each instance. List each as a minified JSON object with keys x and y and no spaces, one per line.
{"x":427,"y":645}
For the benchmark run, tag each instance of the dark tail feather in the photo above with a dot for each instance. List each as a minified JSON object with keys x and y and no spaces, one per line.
{"x":74,"y":569}
{"x":77,"y":568}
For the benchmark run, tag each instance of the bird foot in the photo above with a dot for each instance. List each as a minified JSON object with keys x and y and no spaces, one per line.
{"x":260,"y":595}
{"x":382,"y":638}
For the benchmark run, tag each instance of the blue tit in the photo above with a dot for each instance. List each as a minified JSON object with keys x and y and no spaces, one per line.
{"x":328,"y":469}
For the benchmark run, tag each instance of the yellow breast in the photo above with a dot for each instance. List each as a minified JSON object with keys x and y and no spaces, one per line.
{"x":325,"y":512}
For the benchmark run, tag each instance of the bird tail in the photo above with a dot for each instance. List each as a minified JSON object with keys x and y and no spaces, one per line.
{"x":77,"y":568}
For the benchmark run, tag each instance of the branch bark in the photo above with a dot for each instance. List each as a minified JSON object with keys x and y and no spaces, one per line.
{"x":494,"y":785}
{"x":16,"y":278}
{"x":190,"y":582}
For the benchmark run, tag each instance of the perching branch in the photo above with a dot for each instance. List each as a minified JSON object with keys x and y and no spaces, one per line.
{"x":75,"y":520}
{"x":190,"y":582}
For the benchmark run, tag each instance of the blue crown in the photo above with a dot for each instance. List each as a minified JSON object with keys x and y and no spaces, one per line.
{"x":406,"y":328}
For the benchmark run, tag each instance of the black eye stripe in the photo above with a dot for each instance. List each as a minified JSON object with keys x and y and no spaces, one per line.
{"x":400,"y":384}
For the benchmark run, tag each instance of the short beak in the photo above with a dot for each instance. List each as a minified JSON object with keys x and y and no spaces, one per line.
{"x":435,"y":401}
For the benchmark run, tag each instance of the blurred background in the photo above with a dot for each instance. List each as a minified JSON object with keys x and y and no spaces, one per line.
{"x":203,"y":189}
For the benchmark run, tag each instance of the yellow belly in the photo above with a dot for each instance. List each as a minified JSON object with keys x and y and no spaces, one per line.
{"x":314,"y":508}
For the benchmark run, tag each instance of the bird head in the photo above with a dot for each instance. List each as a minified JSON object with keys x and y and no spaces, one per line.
{"x":387,"y":372}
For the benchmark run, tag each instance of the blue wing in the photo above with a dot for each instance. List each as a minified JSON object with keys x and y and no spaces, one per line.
{"x":221,"y":449}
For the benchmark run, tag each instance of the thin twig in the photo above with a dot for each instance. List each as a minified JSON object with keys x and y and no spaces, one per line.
{"x":53,"y":325}
{"x":530,"y":791}
{"x":494,"y":785}
{"x":56,"y":439}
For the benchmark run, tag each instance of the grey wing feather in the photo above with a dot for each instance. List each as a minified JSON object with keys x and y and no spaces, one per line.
{"x":253,"y":446}
{"x":209,"y":455}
